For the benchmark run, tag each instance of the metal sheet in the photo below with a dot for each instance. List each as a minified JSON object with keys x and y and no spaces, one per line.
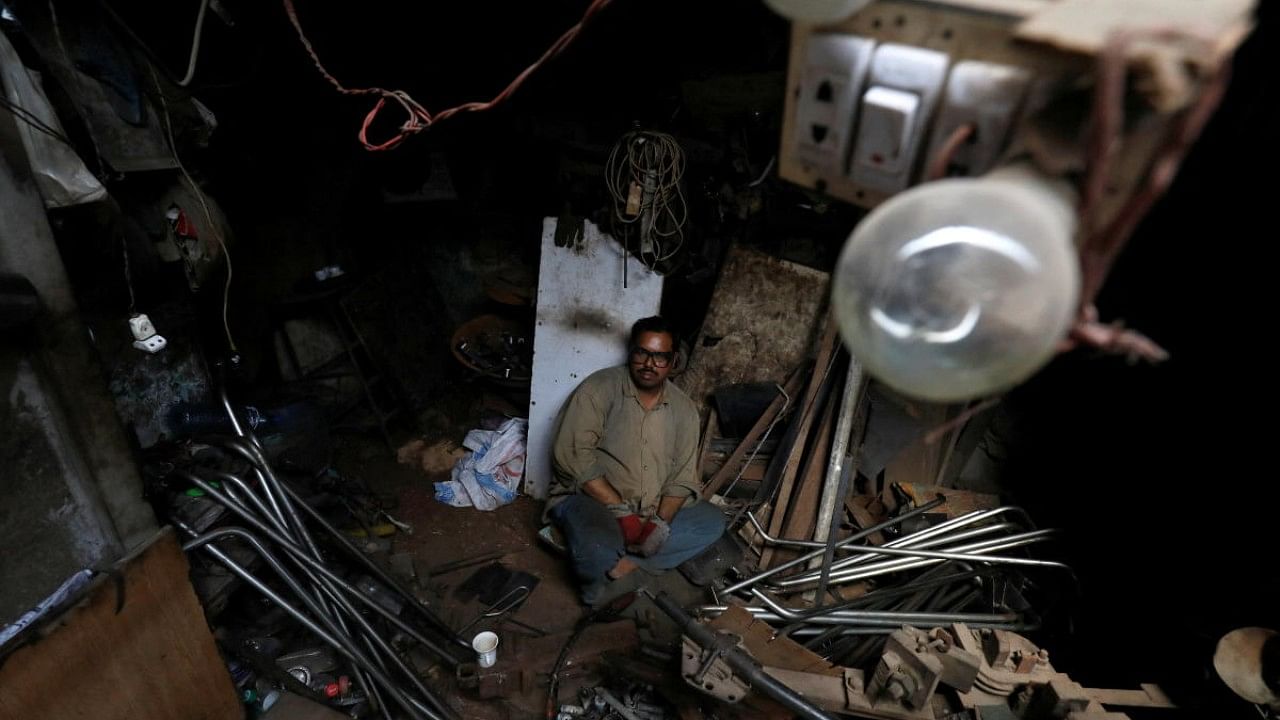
{"x":584,"y":314}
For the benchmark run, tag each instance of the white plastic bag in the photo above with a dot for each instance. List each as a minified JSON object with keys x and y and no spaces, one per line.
{"x":489,"y":475}
{"x":60,"y":174}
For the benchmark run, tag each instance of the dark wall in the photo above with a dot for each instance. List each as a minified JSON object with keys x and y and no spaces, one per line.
{"x":1161,"y":475}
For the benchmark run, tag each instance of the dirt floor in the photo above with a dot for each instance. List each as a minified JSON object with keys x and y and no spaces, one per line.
{"x":517,"y":684}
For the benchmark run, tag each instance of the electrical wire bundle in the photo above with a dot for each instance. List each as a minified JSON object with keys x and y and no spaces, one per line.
{"x":643,"y":175}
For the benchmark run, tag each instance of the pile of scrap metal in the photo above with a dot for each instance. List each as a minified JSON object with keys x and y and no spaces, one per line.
{"x":637,"y":701}
{"x":935,"y":576}
{"x":331,"y":592}
{"x":930,"y":631}
{"x":955,"y":672}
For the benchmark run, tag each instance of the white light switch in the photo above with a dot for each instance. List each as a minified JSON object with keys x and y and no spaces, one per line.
{"x":905,"y":83}
{"x":835,"y":69}
{"x":887,"y":119}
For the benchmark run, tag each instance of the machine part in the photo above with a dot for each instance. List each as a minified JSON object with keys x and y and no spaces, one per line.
{"x":908,"y":671}
{"x":740,"y":661}
{"x":616,"y":704}
{"x":1059,"y":697}
{"x":847,"y":695}
{"x":709,"y":672}
{"x":939,"y":500}
{"x":492,"y":683}
{"x":604,"y":613}
{"x":959,"y":666}
{"x":312,"y":661}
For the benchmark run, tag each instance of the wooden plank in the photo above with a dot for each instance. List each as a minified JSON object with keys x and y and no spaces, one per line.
{"x":705,"y":448}
{"x":803,"y":515}
{"x":740,"y":453}
{"x":137,"y":648}
{"x":793,"y":454}
{"x":958,"y":502}
{"x":863,"y":517}
{"x":762,"y":321}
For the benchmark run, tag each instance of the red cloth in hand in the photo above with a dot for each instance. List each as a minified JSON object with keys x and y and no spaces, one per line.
{"x":633,"y":529}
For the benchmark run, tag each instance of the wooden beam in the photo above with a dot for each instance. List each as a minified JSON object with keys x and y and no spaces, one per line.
{"x":803,"y":515}
{"x":794,"y":453}
{"x":705,"y":448}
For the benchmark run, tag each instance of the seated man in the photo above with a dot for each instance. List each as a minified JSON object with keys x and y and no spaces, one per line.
{"x":625,"y":486}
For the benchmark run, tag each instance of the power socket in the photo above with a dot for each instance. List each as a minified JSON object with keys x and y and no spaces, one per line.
{"x":145,"y":337}
{"x":152,"y":345}
{"x":141,"y":327}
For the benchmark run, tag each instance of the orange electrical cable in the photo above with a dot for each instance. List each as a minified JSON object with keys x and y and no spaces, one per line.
{"x":419,"y":118}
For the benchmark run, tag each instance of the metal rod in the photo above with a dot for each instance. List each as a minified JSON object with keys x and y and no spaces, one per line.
{"x":352,"y":653}
{"x":371,"y":637}
{"x":883,"y":595}
{"x":944,"y":540}
{"x":831,"y":495}
{"x":319,"y":567}
{"x":905,"y":617}
{"x":944,"y":555}
{"x":359,"y":556}
{"x":847,"y":541}
{"x":888,"y":566}
{"x":829,"y":553}
{"x":890,"y":623}
{"x":322,"y":594}
{"x":236,"y":481}
{"x":740,"y":661}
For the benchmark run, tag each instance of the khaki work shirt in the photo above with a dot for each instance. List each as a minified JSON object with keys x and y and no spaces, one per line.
{"x":644,"y":454}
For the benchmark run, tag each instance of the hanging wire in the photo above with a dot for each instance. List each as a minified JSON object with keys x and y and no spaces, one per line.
{"x":643,"y":175}
{"x":208,"y":216}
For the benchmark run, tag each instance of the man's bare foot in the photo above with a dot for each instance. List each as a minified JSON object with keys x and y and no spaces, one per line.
{"x":624,"y":566}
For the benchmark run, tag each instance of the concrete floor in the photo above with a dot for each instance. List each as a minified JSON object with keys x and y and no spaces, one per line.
{"x":443,"y":534}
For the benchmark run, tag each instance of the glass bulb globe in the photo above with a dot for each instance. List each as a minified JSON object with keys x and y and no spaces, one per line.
{"x":816,"y":11}
{"x":960,"y":288}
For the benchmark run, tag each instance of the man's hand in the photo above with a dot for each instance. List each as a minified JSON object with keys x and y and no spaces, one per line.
{"x":630,"y":523}
{"x":653,"y":536}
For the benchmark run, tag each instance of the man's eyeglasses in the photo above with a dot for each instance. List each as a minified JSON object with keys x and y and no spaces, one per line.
{"x":640,"y":356}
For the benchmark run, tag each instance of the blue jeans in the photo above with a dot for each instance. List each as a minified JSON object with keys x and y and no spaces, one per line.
{"x":595,"y":540}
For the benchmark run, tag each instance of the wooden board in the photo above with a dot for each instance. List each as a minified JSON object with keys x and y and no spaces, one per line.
{"x":134,"y":649}
{"x":794,"y":454}
{"x":803,"y":516}
{"x":958,"y":502}
{"x":763,"y":316}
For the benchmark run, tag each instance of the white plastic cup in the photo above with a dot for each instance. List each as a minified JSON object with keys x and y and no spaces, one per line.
{"x":486,"y":646}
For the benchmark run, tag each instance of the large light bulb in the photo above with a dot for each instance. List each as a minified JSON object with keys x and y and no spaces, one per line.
{"x":961,"y":288}
{"x":816,"y":11}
